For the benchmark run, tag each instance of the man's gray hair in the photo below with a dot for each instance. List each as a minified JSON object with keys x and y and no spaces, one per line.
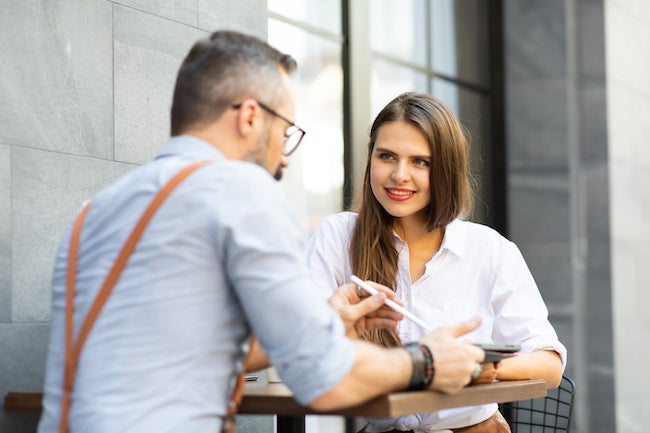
{"x":217,"y":70}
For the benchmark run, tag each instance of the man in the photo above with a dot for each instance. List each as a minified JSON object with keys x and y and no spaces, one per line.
{"x":221,"y":258}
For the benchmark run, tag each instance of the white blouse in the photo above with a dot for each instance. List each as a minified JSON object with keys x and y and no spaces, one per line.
{"x":475,"y":272}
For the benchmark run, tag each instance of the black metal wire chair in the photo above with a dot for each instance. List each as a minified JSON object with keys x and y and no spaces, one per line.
{"x":550,"y":414}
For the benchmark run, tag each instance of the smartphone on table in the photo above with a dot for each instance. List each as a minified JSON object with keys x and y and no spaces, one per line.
{"x":497,"y":352}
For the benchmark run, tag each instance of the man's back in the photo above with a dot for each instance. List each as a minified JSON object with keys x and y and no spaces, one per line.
{"x":164,"y":347}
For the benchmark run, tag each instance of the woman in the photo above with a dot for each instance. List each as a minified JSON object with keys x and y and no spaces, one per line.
{"x":409,"y":234}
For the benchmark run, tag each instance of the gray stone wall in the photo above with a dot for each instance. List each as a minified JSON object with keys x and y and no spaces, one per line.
{"x":628,"y":116}
{"x":85,"y":91}
{"x":558,"y":195}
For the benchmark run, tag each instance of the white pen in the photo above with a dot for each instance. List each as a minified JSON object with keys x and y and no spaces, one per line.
{"x":368,"y":288}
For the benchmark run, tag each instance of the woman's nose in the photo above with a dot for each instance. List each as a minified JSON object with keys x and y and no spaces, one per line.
{"x":400,"y":172}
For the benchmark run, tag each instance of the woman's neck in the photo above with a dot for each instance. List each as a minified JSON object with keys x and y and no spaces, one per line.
{"x":422,"y":243}
{"x":411,"y":228}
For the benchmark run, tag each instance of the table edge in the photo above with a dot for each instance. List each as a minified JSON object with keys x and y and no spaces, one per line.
{"x":393,"y":404}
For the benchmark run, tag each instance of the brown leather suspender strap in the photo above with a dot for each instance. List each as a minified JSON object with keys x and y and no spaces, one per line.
{"x":238,"y":393}
{"x":73,"y":348}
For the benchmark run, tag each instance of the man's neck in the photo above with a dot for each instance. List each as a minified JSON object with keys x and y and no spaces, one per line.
{"x":220,"y":139}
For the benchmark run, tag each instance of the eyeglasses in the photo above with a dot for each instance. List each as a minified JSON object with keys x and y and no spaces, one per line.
{"x":292,"y":136}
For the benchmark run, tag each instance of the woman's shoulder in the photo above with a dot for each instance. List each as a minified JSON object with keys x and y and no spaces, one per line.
{"x":480,"y":243}
{"x":339,"y":222}
{"x":477,"y":233}
{"x":475,"y":228}
{"x":333,"y":233}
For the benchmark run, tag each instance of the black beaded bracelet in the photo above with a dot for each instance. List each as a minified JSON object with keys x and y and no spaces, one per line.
{"x":423,"y":369}
{"x":428,"y":363}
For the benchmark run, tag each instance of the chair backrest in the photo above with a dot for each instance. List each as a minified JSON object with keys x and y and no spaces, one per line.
{"x":550,"y":414}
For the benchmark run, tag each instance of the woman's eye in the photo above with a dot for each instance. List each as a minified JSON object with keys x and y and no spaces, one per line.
{"x":385,"y":156}
{"x":422,"y":162}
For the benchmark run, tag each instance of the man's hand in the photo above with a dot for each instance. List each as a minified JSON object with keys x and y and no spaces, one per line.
{"x":454,"y":360}
{"x":359,"y":314}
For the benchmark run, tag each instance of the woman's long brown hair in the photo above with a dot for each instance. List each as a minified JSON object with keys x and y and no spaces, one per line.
{"x":372,"y":249}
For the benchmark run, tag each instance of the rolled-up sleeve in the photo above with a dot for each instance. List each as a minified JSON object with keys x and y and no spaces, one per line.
{"x":521,"y":316}
{"x":303,"y":337}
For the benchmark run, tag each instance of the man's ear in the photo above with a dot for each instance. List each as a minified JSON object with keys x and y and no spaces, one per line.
{"x":247,"y":117}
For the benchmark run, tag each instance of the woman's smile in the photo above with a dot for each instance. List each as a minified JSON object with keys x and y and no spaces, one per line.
{"x":399,"y":194}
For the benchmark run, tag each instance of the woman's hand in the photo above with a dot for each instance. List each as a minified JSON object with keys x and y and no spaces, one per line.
{"x":357,"y":313}
{"x":488,"y":373}
{"x":364,"y":312}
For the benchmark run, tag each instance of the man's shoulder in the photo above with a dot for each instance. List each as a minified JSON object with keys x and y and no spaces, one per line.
{"x":232,"y":178}
{"x":236,"y":170}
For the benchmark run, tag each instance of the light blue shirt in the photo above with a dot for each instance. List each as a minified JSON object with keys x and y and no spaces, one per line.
{"x":223,"y":256}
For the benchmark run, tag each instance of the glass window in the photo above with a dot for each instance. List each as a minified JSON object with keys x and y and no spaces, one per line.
{"x":460,"y":40}
{"x":389,"y":80}
{"x":314,"y":180}
{"x":398,"y":29}
{"x":443,"y":37}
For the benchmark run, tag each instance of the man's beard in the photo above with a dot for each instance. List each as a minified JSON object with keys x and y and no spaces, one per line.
{"x":258,"y":155}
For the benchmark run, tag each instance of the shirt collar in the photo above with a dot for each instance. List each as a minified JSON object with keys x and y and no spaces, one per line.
{"x":454,"y":239}
{"x":193,"y":147}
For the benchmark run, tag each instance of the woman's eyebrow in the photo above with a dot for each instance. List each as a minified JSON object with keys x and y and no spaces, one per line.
{"x":383,"y":149}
